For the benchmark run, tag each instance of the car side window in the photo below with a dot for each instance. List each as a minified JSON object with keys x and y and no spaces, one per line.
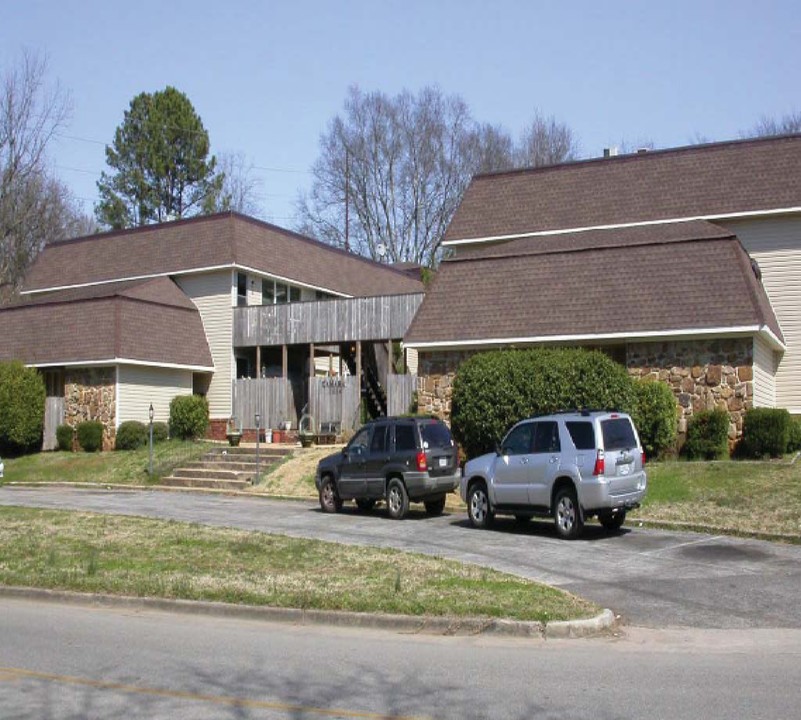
{"x":360,"y":442}
{"x":405,"y":437}
{"x":518,"y":441}
{"x":546,"y":437}
{"x":379,"y":442}
{"x":582,"y":434}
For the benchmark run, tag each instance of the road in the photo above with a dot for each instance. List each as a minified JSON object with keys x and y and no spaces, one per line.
{"x":62,"y":662}
{"x":651,"y":578}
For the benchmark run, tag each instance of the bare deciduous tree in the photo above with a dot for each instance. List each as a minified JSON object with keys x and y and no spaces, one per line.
{"x":767,"y":126}
{"x":240,"y":189}
{"x":545,"y":141}
{"x":35,"y":208}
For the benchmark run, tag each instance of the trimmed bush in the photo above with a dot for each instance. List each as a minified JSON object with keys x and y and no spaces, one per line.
{"x":495,"y":389}
{"x":708,"y":435}
{"x":189,"y":417}
{"x":64,"y":436}
{"x":766,"y":432}
{"x":90,"y":435}
{"x":131,"y":435}
{"x":161,"y":432}
{"x":22,"y":407}
{"x":655,"y":416}
{"x":794,"y":437}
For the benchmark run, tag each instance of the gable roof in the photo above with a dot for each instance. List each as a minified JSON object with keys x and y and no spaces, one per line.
{"x":147,"y":322}
{"x":701,"y":181}
{"x":665,"y":280}
{"x":225,"y":240}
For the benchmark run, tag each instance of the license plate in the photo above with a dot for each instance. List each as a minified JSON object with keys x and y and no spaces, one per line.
{"x":443,"y":462}
{"x":624,"y":469}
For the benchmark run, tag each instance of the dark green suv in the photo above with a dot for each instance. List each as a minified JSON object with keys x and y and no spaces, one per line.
{"x":395,"y":459}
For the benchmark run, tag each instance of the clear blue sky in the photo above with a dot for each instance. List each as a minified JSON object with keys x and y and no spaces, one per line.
{"x":266,"y":77}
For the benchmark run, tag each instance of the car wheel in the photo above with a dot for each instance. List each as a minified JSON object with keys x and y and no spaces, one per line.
{"x":435,"y":507}
{"x":330,"y":501}
{"x":523,"y":518}
{"x":478,"y":506}
{"x":365,"y":504}
{"x":397,"y":499}
{"x":567,"y":515}
{"x":612,"y":522}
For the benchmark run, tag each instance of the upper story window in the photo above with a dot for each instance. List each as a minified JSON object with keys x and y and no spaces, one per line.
{"x":241,"y":289}
{"x":276,"y":293}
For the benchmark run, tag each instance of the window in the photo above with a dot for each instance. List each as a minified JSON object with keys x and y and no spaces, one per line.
{"x":435,"y":435}
{"x":294,"y":294}
{"x":379,"y":442}
{"x":359,"y":444}
{"x":546,"y":437}
{"x":280,"y":294}
{"x":582,"y":435}
{"x":275,"y":293}
{"x":267,"y":292}
{"x":618,"y":434}
{"x":405,"y":437}
{"x":518,"y":441}
{"x":241,"y":289}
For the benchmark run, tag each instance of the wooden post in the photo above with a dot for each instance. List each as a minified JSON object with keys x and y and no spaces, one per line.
{"x":284,"y":361}
{"x":359,"y":375}
{"x":311,"y":361}
{"x":258,"y":361}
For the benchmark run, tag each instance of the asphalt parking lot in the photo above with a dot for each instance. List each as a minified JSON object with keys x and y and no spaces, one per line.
{"x":651,"y":578}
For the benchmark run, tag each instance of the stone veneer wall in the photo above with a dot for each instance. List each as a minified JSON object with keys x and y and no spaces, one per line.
{"x":703,"y":374}
{"x":90,"y":394}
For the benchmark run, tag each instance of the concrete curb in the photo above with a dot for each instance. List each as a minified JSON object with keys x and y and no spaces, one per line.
{"x":404,"y":624}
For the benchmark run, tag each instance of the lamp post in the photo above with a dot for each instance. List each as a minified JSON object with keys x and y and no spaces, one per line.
{"x":258,"y":434}
{"x":150,"y":416}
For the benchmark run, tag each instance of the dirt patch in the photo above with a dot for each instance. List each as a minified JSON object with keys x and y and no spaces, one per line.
{"x":294,"y":477}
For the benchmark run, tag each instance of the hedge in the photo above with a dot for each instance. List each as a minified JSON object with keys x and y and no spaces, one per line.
{"x":90,"y":435}
{"x":189,"y":417}
{"x":766,"y":432}
{"x":22,"y":407}
{"x":131,"y":434}
{"x":495,"y":389}
{"x":708,"y":435}
{"x":64,"y":437}
{"x":654,"y":416}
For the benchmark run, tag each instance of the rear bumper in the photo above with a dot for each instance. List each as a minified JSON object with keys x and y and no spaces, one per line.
{"x":599,"y":494}
{"x":421,"y":485}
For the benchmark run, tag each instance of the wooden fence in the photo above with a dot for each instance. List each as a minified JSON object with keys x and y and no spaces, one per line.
{"x":272,"y":398}
{"x":400,"y":393}
{"x":54,"y":416}
{"x":334,"y":403}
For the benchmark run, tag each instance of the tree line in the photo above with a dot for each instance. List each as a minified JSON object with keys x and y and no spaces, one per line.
{"x":390,"y":173}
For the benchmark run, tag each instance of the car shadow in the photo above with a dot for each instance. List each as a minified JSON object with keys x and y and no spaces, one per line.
{"x":542,"y":527}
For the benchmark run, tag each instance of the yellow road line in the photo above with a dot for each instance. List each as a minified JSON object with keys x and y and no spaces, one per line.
{"x":10,"y":673}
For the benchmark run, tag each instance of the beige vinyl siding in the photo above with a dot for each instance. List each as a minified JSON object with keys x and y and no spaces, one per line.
{"x":138,"y":386}
{"x":764,"y":374}
{"x":775,"y":243}
{"x":214,"y":294}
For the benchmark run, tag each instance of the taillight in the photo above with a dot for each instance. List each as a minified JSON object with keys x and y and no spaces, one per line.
{"x":422,"y":462}
{"x":600,"y":466}
{"x":643,"y":458}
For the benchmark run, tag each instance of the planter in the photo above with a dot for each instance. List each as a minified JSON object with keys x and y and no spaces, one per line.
{"x":306,"y":440}
{"x":278,"y":436}
{"x":234,"y":438}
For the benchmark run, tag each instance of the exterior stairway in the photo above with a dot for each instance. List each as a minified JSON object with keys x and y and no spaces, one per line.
{"x":226,"y":468}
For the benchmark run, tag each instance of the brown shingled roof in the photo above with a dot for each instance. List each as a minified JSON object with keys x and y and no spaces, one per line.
{"x":610,"y":282}
{"x":700,"y":181}
{"x":222,"y":240}
{"x":151,"y":321}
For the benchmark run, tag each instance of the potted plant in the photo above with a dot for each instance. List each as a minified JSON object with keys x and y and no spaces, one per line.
{"x":233,"y":432}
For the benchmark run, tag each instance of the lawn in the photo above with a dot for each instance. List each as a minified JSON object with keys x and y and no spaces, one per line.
{"x":140,"y":557}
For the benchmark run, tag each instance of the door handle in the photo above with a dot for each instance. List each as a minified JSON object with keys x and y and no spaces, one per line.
{"x":554,"y":458}
{"x":524,"y":461}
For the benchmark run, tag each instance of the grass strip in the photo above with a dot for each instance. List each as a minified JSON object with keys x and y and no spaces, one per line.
{"x":88,"y":552}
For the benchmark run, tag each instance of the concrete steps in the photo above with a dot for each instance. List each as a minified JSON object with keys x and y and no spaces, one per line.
{"x":226,"y":468}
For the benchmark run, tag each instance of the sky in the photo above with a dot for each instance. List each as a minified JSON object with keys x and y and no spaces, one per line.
{"x":267,"y":77}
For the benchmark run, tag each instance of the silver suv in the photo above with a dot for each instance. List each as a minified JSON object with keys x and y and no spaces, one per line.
{"x":569,"y":466}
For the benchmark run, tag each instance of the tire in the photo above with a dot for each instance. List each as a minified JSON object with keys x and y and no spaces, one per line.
{"x":435,"y":507}
{"x":330,"y":501}
{"x":397,"y":499}
{"x":567,"y":514}
{"x":365,"y":504}
{"x":523,"y":518}
{"x":478,"y":506}
{"x":612,"y":522}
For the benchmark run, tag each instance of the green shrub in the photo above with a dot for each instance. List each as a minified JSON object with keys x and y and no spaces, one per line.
{"x":708,"y":435}
{"x":794,"y":437}
{"x":495,"y":389}
{"x":189,"y":417}
{"x":655,"y":416}
{"x":766,"y":431}
{"x":22,"y":404}
{"x":90,"y":435}
{"x":64,"y":436}
{"x":131,"y":434}
{"x":161,"y":432}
